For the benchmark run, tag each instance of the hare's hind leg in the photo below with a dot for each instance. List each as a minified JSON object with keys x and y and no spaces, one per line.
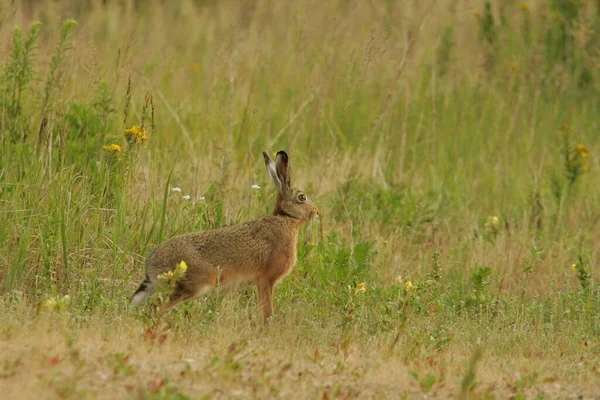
{"x":181,"y":295}
{"x":193,"y":286}
{"x":265,"y":298}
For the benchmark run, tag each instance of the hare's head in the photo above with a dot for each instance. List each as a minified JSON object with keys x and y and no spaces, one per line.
{"x":291,"y":202}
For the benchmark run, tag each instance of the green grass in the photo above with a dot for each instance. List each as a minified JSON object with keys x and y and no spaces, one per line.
{"x":451,"y":151}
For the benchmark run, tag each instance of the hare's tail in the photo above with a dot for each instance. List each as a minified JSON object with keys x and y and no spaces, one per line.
{"x":142,"y":293}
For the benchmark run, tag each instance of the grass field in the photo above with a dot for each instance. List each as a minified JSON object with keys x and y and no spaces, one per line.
{"x":451,"y":147}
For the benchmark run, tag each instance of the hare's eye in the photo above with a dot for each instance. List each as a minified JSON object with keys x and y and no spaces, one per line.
{"x":302,"y":197}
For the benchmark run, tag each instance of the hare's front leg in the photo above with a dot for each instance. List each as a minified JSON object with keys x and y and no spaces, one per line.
{"x":265,"y":297}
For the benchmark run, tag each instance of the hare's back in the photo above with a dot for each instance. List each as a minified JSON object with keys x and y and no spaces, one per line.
{"x":245,"y":246}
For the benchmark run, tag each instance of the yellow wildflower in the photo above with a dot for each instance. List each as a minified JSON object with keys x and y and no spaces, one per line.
{"x":574,"y":267}
{"x":524,"y":7}
{"x":136,"y":134}
{"x":59,"y":304}
{"x":361,"y":288}
{"x":181,"y":268}
{"x":566,"y":128}
{"x":113,"y":148}
{"x":582,"y":150}
{"x":408,"y":286}
{"x":493,"y":224}
{"x":166,"y":276}
{"x":51,"y":303}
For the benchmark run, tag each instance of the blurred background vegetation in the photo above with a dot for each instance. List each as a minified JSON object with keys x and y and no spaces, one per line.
{"x":447,"y":143}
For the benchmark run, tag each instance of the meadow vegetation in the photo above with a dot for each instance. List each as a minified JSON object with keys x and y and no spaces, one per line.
{"x":450,"y":146}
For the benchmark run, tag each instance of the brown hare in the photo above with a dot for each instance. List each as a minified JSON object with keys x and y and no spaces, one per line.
{"x":259,"y":252}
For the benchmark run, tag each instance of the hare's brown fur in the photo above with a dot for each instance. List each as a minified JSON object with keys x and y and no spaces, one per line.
{"x":259,"y":252}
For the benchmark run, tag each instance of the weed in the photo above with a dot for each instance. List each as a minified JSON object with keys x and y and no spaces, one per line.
{"x":231,"y":363}
{"x":18,"y":74}
{"x":53,"y":80}
{"x":158,"y":390}
{"x":469,"y":380}
{"x":119,"y":362}
{"x":583,"y":275}
{"x":159,"y":302}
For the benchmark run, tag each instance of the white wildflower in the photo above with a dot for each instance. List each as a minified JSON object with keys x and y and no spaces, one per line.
{"x":187,"y":197}
{"x":201,"y":198}
{"x":176,"y":189}
{"x":255,"y":187}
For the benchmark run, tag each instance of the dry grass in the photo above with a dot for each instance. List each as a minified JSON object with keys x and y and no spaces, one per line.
{"x":113,"y":360}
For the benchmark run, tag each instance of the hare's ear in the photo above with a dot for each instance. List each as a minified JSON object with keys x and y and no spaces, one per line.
{"x":272,"y":169}
{"x":283,"y":168}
